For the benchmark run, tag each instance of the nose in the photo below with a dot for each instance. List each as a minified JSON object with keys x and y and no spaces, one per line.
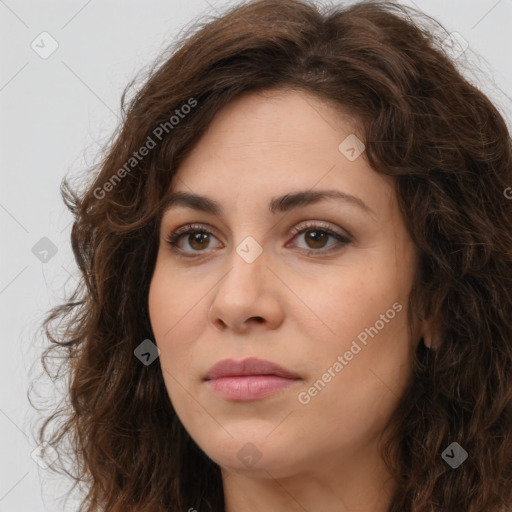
{"x":248,"y":295}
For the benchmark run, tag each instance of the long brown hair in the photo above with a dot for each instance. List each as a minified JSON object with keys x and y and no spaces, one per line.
{"x":449,"y":150}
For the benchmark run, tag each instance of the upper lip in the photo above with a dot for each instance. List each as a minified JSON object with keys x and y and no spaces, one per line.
{"x":250,"y":366}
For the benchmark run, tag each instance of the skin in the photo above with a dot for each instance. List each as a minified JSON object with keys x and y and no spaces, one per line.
{"x":291,"y":305}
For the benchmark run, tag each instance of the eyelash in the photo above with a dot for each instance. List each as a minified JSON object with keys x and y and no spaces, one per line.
{"x":188,"y":229}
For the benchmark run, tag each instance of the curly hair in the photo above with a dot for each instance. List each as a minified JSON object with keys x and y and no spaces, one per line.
{"x":450,"y":152}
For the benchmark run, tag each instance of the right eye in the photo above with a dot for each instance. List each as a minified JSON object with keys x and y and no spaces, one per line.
{"x":198,"y":239}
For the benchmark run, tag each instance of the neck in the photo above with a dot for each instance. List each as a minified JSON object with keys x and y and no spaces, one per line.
{"x":340,"y":483}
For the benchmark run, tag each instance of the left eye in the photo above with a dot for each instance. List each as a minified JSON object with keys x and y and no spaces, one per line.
{"x":316,"y":237}
{"x":198,"y":238}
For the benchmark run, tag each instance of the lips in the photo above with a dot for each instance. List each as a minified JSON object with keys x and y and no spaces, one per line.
{"x":250,"y":366}
{"x":248,"y":380}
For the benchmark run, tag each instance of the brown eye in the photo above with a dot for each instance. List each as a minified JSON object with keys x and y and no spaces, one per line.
{"x":316,"y":239}
{"x":197,"y":241}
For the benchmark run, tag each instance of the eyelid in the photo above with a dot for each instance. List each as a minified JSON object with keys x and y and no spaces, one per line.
{"x":343,"y":238}
{"x":295,"y":230}
{"x":323,"y":225}
{"x":191,"y":227}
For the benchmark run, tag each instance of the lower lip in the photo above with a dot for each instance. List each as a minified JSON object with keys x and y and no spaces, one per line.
{"x":250,"y":387}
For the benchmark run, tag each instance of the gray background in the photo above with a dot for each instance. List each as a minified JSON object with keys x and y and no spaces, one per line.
{"x":55,"y":114}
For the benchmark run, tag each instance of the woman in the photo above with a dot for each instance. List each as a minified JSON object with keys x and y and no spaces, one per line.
{"x":223,"y":354}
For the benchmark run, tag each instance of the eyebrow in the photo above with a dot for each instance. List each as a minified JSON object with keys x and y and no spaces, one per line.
{"x":276,"y":205}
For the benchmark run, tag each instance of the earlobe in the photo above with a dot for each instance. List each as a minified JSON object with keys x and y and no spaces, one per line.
{"x":429,"y":335}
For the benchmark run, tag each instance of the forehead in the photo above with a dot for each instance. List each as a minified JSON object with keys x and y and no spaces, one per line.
{"x":273,"y":145}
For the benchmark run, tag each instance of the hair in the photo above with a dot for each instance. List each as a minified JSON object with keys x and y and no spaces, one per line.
{"x":422,"y":122}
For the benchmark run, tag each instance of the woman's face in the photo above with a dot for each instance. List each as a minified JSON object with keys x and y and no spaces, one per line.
{"x":318,"y":286}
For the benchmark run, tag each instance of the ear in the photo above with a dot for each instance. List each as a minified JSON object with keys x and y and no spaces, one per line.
{"x":430,"y":334}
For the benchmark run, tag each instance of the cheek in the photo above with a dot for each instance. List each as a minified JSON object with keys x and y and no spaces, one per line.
{"x":376,"y":295}
{"x":175,"y":311}
{"x":361,"y":313}
{"x":359,"y":392}
{"x":167,"y":311}
{"x":171,"y":301}
{"x":351,"y":299}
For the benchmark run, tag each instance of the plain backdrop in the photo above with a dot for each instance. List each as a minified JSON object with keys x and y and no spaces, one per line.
{"x":56,"y":111}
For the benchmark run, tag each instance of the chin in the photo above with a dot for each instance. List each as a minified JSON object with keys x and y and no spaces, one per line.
{"x":258,"y":454}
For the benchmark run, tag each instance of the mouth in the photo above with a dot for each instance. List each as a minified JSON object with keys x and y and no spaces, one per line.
{"x":250,"y":379}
